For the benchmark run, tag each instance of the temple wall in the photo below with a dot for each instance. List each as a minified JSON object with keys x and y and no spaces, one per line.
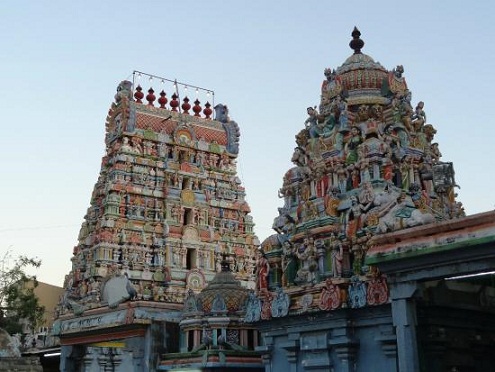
{"x":127,"y":355}
{"x":345,"y":341}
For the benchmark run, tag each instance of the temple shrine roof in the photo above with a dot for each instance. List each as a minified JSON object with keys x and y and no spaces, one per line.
{"x":365,"y":164}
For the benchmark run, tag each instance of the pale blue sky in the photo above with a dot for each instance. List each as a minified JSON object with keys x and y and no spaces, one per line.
{"x":61,"y":62}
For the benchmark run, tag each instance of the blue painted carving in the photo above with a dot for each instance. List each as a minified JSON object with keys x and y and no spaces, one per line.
{"x":218,"y":304}
{"x":357,"y":293}
{"x":280,"y":304}
{"x":230,"y":126}
{"x":233,"y":134}
{"x":124,"y":90}
{"x":221,"y":113}
{"x":253,"y":308}
{"x":191,"y":304}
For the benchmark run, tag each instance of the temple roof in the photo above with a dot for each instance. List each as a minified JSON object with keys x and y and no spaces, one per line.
{"x":359,"y":61}
{"x":223,"y":293}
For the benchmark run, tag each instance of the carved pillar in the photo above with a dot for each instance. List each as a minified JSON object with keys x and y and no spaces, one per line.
{"x":243,"y":337}
{"x":404,"y":320}
{"x":314,"y":351}
{"x":117,"y":359}
{"x":291,"y":348}
{"x":197,"y":337}
{"x":292,"y":359}
{"x":103,"y":359}
{"x":109,"y":359}
{"x":388,"y":343}
{"x":87,"y":360}
{"x":266,"y":356}
{"x":346,"y":350}
{"x":255,"y":338}
{"x":345,"y":347}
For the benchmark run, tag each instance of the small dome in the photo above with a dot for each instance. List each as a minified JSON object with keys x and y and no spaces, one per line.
{"x":360,"y":62}
{"x":273,"y":242}
{"x":224,"y":294}
{"x":362,"y":78}
{"x":359,"y":79}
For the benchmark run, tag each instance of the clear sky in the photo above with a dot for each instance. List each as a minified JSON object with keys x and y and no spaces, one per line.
{"x":61,"y":62}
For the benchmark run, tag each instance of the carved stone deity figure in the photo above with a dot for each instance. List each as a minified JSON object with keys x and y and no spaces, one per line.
{"x":280,"y":304}
{"x":418,"y":118}
{"x":262,"y":272}
{"x":351,"y":147}
{"x":395,"y":83}
{"x":330,"y":296}
{"x":289,"y":264}
{"x":332,"y":202}
{"x":321,"y":251}
{"x":218,"y":305}
{"x":253,"y":308}
{"x":306,"y":253}
{"x":331,"y":87}
{"x":337,"y":256}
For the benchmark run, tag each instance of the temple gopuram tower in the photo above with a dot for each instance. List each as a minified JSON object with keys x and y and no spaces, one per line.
{"x":365,"y":164}
{"x":167,"y":209}
{"x":367,"y":177}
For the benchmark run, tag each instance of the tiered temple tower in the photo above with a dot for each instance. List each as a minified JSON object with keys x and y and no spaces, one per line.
{"x":167,"y":209}
{"x":365,"y":164}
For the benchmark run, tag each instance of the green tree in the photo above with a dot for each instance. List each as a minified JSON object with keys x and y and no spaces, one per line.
{"x":18,"y":303}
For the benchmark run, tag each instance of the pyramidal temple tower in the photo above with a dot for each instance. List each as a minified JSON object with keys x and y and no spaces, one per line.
{"x":167,"y":209}
{"x":365,"y":164}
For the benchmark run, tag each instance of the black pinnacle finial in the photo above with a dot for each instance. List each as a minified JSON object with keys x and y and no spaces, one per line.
{"x":356,"y":43}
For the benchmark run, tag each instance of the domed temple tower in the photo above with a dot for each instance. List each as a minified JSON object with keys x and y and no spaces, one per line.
{"x":366,"y":170}
{"x":365,"y":164}
{"x":167,"y":208}
{"x":215,"y":333}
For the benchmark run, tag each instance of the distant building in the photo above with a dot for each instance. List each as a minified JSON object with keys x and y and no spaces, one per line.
{"x":49,"y":296}
{"x":41,"y":339}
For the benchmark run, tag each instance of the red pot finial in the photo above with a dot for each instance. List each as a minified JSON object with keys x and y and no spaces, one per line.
{"x":174,"y":103}
{"x":197,"y":108}
{"x":186,"y":106}
{"x":138,"y":95}
{"x":150,"y":97}
{"x":207,"y":110}
{"x":163,"y":99}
